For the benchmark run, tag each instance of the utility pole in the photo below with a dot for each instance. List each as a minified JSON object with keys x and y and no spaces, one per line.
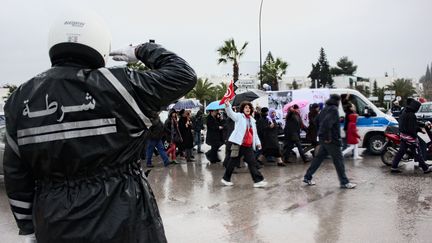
{"x":260,"y":42}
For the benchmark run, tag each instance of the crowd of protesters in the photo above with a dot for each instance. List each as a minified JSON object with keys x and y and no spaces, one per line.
{"x":255,"y":137}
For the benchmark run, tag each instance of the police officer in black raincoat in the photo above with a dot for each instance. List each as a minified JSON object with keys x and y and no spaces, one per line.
{"x":74,"y":133}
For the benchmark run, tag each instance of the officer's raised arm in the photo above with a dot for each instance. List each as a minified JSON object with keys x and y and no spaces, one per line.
{"x":169,"y":78}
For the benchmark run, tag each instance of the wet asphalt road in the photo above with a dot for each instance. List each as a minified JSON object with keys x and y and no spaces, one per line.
{"x":196,"y":208}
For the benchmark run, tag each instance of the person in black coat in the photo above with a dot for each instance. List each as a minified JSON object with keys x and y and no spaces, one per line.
{"x":198,"y":126}
{"x":172,"y":134}
{"x":312,"y":130}
{"x":408,"y":128}
{"x":269,"y":136}
{"x":185,"y":127}
{"x":293,"y":126}
{"x":213,"y":138}
{"x":329,"y":140}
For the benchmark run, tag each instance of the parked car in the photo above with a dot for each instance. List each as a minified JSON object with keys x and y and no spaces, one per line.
{"x":425,"y":112}
{"x":2,"y":146}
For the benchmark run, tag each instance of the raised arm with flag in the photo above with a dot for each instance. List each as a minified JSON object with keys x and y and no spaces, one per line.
{"x":229,"y":93}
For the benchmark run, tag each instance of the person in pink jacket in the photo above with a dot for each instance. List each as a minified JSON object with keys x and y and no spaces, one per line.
{"x":352,"y":135}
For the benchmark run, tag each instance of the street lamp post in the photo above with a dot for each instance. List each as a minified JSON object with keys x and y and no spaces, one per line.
{"x":260,"y":42}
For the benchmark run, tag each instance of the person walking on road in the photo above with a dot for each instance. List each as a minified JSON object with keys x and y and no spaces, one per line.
{"x":292,"y":129}
{"x":173,"y":135}
{"x":155,"y":141}
{"x":198,"y":126}
{"x":185,"y":127}
{"x":244,"y":140}
{"x":312,"y":130}
{"x":352,"y":135}
{"x":270,"y":142}
{"x":75,"y":133}
{"x":330,"y":143}
{"x":214,"y":137}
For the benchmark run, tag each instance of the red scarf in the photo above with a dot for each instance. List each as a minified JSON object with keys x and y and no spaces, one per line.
{"x":248,"y":137}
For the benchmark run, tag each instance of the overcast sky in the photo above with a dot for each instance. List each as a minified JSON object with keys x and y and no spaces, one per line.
{"x":378,"y":35}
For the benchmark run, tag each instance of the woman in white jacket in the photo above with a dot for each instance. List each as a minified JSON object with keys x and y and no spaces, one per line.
{"x":244,"y":140}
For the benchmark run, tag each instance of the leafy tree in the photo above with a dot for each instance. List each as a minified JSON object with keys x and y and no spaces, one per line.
{"x":314,"y":75}
{"x":220,"y":90}
{"x":325,"y":76}
{"x":11,"y":88}
{"x":428,"y":76}
{"x":203,"y":91}
{"x":295,"y":85}
{"x":363,"y":89}
{"x":426,"y":81}
{"x":380,"y":94}
{"x":230,"y":53}
{"x":344,"y":66}
{"x":137,"y":66}
{"x":403,"y":88}
{"x":375,"y":89}
{"x":321,"y":73}
{"x":272,"y":71}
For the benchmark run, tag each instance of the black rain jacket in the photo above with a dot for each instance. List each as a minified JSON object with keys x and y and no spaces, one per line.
{"x":408,"y":120}
{"x":73,"y":140}
{"x":328,"y":123}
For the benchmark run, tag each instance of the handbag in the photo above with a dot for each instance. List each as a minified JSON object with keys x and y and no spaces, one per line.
{"x":235,"y":150}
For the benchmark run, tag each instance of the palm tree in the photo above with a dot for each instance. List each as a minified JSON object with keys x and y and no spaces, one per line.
{"x":230,"y":52}
{"x":273,"y":70}
{"x":203,"y":91}
{"x":220,"y":90}
{"x":403,"y":88}
{"x":11,"y":87}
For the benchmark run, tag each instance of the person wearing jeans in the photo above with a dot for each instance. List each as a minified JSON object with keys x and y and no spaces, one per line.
{"x":151,"y":144}
{"x":329,"y":139}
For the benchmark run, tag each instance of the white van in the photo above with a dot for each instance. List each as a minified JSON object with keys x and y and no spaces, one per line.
{"x":371,"y":122}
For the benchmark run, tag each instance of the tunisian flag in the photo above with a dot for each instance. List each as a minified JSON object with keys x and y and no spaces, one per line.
{"x":229,"y":93}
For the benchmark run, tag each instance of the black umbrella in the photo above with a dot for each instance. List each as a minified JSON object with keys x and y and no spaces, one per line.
{"x":247,"y":96}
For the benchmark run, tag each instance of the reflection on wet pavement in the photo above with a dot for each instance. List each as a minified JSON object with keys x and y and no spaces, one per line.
{"x":196,"y":208}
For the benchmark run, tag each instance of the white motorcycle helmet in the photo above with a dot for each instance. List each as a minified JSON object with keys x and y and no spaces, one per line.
{"x":82,"y":36}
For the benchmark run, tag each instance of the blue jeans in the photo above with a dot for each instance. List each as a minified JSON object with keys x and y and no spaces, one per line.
{"x":151,"y":143}
{"x":335,"y":152}
{"x":197,"y":138}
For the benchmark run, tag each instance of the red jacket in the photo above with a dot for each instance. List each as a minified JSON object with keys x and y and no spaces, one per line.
{"x":352,"y":131}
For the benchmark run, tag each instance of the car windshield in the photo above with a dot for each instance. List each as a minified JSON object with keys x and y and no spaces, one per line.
{"x":426,"y":108}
